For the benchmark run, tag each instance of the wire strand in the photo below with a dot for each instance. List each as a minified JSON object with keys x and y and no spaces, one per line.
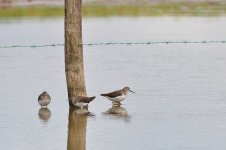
{"x":119,"y":43}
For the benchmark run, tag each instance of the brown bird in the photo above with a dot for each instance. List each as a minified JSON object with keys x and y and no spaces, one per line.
{"x":82,"y":101}
{"x":118,"y":96}
{"x":44,"y":99}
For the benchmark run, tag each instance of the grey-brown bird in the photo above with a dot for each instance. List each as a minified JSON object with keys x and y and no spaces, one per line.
{"x":119,"y":95}
{"x":82,"y":101}
{"x":44,"y":99}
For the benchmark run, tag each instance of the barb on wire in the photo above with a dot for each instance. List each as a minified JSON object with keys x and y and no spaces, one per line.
{"x":119,"y":43}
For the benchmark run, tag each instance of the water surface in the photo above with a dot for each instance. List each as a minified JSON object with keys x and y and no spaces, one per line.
{"x":180,"y":88}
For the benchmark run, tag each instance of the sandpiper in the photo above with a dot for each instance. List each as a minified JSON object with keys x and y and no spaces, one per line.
{"x":117,"y":96}
{"x":44,"y":99}
{"x":82,"y":101}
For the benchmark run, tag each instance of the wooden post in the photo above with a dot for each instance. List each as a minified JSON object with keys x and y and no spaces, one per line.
{"x":74,"y":68}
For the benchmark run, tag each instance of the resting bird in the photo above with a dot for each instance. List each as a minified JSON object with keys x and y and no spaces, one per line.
{"x":118,"y":96}
{"x":44,"y":99}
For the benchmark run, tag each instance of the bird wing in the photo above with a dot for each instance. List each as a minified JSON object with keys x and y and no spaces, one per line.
{"x":112,"y":94}
{"x":48,"y":96}
{"x":85,"y":99}
{"x":40,"y":97}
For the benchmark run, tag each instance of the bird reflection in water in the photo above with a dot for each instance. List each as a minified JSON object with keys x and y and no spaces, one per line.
{"x":77,"y":122}
{"x":44,"y":114}
{"x":118,"y":112}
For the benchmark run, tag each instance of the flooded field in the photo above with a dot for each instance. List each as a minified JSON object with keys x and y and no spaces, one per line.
{"x":180,"y":100}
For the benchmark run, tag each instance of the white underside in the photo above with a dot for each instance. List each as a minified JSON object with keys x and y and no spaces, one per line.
{"x":44,"y":102}
{"x":80,"y":104}
{"x":117,"y":99}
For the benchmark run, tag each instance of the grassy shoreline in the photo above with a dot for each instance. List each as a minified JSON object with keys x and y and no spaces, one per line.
{"x":100,"y":10}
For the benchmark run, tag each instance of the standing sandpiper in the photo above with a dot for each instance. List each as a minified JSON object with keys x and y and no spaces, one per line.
{"x":44,"y":99}
{"x":117,"y":96}
{"x":82,"y":101}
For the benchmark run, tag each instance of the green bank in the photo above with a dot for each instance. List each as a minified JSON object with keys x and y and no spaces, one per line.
{"x":99,"y":10}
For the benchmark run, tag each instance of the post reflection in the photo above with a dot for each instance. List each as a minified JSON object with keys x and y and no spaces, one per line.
{"x":118,"y":112}
{"x":44,"y":114}
{"x":77,"y":122}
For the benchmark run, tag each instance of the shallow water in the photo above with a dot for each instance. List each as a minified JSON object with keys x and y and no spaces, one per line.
{"x":180,"y":88}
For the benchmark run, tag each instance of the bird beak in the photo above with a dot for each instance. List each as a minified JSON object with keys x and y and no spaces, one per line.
{"x":132,"y":91}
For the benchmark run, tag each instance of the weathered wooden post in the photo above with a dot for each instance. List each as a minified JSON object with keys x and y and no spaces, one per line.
{"x":74,"y":68}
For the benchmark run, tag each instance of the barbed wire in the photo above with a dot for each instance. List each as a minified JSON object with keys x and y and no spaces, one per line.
{"x":119,"y":43}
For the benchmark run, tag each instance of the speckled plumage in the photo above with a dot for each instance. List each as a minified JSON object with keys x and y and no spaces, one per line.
{"x":44,"y":99}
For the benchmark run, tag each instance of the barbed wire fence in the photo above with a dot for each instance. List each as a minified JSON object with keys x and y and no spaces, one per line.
{"x":118,"y":43}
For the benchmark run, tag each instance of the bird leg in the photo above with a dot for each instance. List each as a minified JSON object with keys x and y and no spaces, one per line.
{"x":116,"y":104}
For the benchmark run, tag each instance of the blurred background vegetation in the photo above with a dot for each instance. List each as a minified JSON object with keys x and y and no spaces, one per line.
{"x":55,"y":8}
